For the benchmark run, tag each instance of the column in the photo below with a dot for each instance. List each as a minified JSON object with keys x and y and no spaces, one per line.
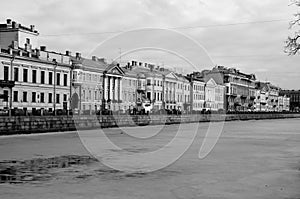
{"x":110,"y":88}
{"x":116,"y":88}
{"x":105,"y":91}
{"x":120,"y":89}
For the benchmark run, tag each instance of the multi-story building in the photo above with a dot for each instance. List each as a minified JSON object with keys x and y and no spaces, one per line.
{"x":160,"y":86}
{"x":267,"y":97}
{"x":130,"y":88}
{"x":183,"y":93}
{"x":214,"y":95}
{"x":95,"y":84}
{"x":197,"y":91}
{"x":148,"y":84}
{"x":294,"y":98}
{"x":261,"y":99}
{"x":33,"y":79}
{"x":283,"y":103}
{"x":240,"y":87}
{"x":170,"y":82}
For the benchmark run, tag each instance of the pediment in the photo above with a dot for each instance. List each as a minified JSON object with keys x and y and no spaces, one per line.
{"x":115,"y":70}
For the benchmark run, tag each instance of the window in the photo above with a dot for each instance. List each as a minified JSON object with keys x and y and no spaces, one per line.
{"x":24,"y":96}
{"x":27,"y":41}
{"x":65,"y":97}
{"x":57,"y":98}
{"x":16,"y":74}
{"x":25,"y":75}
{"x":42,"y":77}
{"x":148,"y":82}
{"x":33,"y":96}
{"x":15,"y":96}
{"x":50,"y":97}
{"x":58,"y":79}
{"x":6,"y":72}
{"x":50,"y":78}
{"x":65,"y":80}
{"x":42,"y":98}
{"x":33,"y":76}
{"x":5,"y":92}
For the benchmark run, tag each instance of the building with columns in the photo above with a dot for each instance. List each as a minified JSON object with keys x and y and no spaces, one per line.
{"x":170,"y":85}
{"x":96,"y":85}
{"x":214,"y":95}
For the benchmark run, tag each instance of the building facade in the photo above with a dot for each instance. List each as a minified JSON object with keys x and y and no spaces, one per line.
{"x":96,"y":85}
{"x":214,"y":96}
{"x":33,"y":79}
{"x":267,"y":97}
{"x":240,"y":87}
{"x":294,"y":98}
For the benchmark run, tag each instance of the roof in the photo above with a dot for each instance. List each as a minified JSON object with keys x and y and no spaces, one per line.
{"x":234,"y":71}
{"x":89,"y":64}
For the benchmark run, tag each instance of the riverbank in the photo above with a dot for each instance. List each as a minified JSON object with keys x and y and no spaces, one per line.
{"x":38,"y":124}
{"x":252,"y":159}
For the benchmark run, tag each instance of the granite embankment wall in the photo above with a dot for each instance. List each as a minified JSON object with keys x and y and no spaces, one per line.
{"x":38,"y":124}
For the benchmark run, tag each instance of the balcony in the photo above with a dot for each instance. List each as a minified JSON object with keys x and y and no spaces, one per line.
{"x":7,"y":83}
{"x":141,"y":88}
{"x":233,"y":94}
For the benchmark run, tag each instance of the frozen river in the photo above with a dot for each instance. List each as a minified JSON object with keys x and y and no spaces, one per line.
{"x":252,"y":159}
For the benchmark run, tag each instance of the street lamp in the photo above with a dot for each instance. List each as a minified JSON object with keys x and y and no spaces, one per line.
{"x":11,"y":90}
{"x":54,"y":87}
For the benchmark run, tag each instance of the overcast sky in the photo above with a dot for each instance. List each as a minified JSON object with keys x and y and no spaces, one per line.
{"x":206,"y":32}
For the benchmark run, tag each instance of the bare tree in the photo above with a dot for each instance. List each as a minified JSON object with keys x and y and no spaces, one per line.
{"x":292,"y":44}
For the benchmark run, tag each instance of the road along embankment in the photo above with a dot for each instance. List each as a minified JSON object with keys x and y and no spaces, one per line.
{"x":38,"y":124}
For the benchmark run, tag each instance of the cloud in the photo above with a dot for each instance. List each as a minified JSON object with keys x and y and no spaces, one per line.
{"x":250,"y":47}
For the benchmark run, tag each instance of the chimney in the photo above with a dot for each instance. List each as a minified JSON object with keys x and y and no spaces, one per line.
{"x":32,"y":28}
{"x":43,"y":48}
{"x":68,"y":53}
{"x":102,"y":60}
{"x":20,"y":53}
{"x":151,"y":68}
{"x":15,"y":25}
{"x":28,"y":47}
{"x":8,"y":23}
{"x":37,"y":52}
{"x":94,"y":58}
{"x":78,"y":55}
